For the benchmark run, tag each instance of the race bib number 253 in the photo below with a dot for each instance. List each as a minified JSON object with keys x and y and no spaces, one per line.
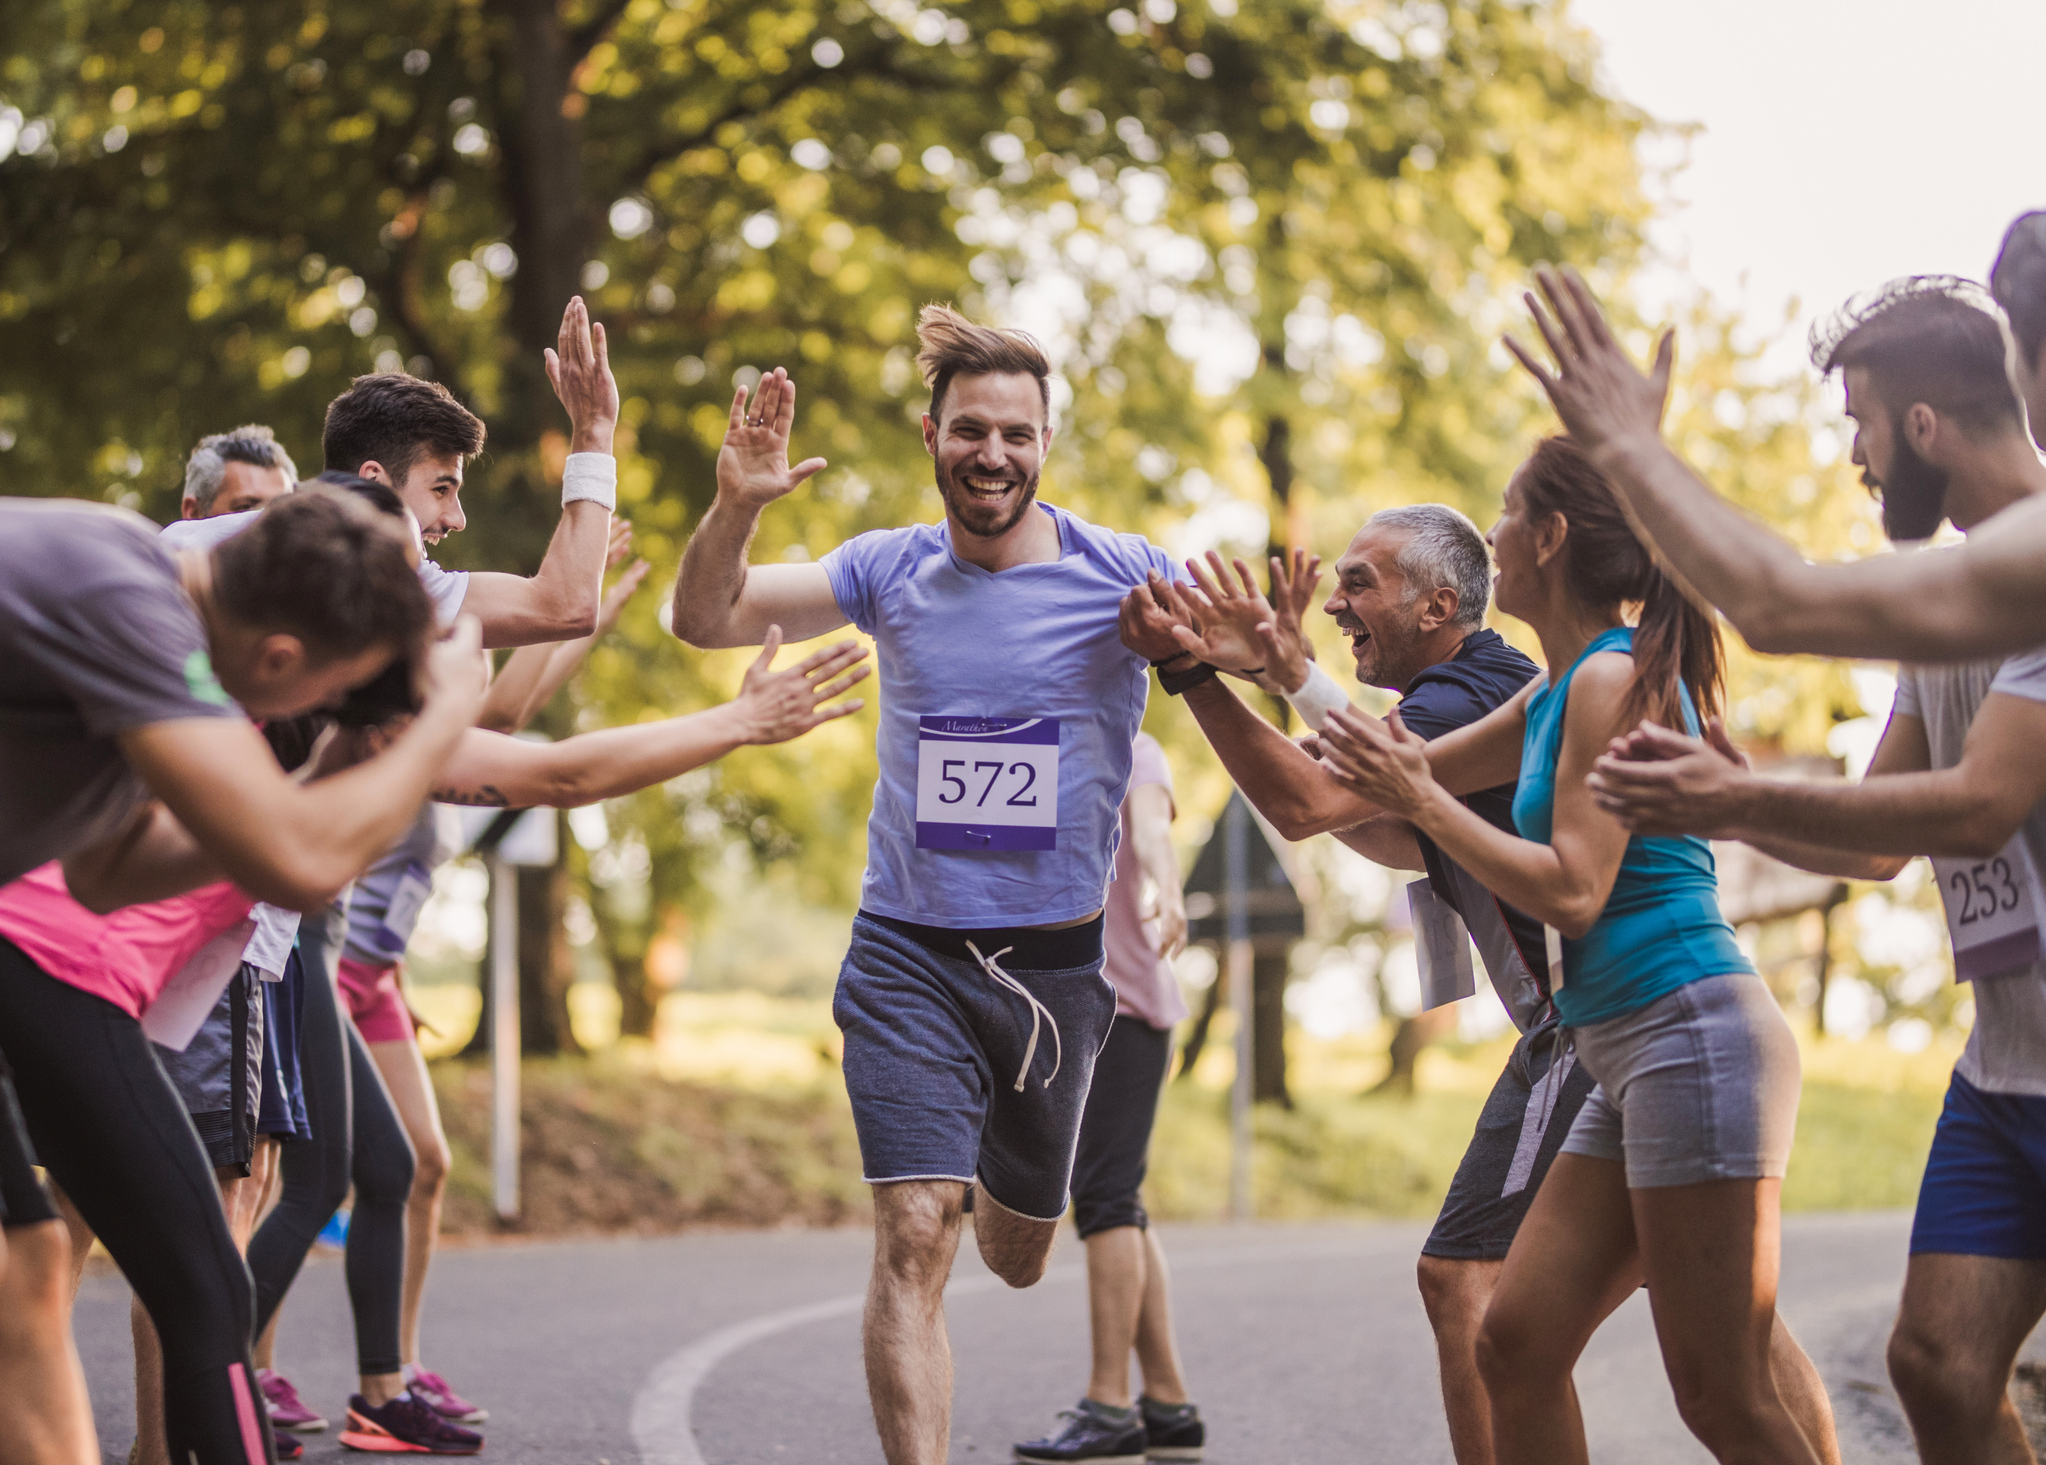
{"x":1992,"y":909}
{"x":987,"y":783}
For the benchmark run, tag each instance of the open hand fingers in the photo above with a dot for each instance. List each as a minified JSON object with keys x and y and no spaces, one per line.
{"x":1534,"y":368}
{"x":1552,"y":333}
{"x":738,"y":411}
{"x":769,"y":644}
{"x":845,"y":683}
{"x":785,"y":409}
{"x":1205,"y":580}
{"x":1590,"y":316}
{"x":830,"y":658}
{"x":1247,"y":580}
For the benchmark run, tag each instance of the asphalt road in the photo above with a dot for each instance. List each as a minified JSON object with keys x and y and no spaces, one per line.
{"x":1304,"y":1344}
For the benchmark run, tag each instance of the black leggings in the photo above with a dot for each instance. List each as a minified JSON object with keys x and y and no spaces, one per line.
{"x":112,"y":1132}
{"x":357,"y":1137}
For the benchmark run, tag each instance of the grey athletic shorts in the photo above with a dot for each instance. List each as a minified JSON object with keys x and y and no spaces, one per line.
{"x":1699,"y":1085}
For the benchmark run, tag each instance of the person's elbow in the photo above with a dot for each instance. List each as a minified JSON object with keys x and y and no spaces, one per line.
{"x":1984,"y":828}
{"x":1577,"y":912}
{"x":301,"y":882}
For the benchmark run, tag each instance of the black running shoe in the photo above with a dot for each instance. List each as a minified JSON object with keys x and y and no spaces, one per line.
{"x":1091,"y":1437}
{"x":1172,"y":1432}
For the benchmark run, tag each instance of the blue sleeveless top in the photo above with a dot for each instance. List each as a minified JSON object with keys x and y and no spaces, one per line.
{"x":1661,"y":926}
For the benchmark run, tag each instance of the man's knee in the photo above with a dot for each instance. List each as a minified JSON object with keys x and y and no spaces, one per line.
{"x":1514,"y":1351}
{"x":1453,"y":1291}
{"x":1016,"y":1248}
{"x":1934,"y":1378}
{"x":915,"y":1229}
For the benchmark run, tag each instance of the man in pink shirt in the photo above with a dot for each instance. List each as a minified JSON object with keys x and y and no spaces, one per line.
{"x":1128,"y":1298}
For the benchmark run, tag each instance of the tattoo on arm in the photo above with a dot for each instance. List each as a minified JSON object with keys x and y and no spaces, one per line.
{"x":487,"y":796}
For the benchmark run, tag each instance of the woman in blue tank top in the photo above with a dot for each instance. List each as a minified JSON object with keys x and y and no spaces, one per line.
{"x":1672,"y":1172}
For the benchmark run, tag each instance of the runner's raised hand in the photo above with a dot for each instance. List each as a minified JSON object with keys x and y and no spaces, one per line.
{"x":1221,"y":626}
{"x":1146,"y":619}
{"x":1287,"y":651}
{"x":753,"y":464}
{"x":779,"y":705}
{"x":1383,"y":761}
{"x":1601,"y":396}
{"x":579,"y":367}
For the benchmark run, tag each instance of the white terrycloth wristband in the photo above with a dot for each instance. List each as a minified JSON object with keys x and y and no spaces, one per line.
{"x":1318,"y":698}
{"x":590,"y":476}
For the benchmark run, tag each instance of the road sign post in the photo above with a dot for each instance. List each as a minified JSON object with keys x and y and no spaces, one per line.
{"x":504,"y":1038}
{"x":1238,"y":964}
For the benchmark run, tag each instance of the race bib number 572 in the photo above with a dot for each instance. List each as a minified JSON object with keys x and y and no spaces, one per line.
{"x":987,"y":783}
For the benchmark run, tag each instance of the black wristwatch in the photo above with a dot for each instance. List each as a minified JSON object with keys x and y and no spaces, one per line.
{"x":1176,"y":682}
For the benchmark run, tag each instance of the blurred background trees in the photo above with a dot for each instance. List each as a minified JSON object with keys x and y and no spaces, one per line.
{"x":1271,"y":248}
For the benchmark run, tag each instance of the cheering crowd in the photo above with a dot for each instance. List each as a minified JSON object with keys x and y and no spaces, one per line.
{"x":226,"y":748}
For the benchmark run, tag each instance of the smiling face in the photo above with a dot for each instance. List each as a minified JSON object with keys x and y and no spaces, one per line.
{"x":989,"y":450}
{"x":432,"y":490}
{"x":1516,"y":584}
{"x":1371,"y":605}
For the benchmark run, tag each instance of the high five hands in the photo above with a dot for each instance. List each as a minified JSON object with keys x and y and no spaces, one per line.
{"x":779,"y":705}
{"x":1601,"y":396}
{"x":753,"y":464}
{"x":1383,"y":761}
{"x":579,"y":367}
{"x":1228,"y":624}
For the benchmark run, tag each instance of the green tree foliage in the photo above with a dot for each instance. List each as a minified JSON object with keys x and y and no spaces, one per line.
{"x":217,"y":213}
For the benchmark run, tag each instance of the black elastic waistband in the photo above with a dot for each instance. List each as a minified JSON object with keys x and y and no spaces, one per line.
{"x":1035,"y":949}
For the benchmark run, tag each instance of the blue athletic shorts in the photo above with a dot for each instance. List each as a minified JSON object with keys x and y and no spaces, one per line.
{"x":935,"y":1045}
{"x":1985,"y":1181}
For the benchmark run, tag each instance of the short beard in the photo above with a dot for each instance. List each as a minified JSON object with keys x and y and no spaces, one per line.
{"x":1914,"y":493}
{"x":1388,"y":659}
{"x":973,"y":517}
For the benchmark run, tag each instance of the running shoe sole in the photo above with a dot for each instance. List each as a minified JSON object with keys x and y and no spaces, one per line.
{"x":368,"y":1438}
{"x":1174,"y":1452}
{"x":1136,"y":1459}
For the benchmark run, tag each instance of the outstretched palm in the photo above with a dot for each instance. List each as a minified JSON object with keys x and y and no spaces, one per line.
{"x":753,"y":464}
{"x":1223,"y":617}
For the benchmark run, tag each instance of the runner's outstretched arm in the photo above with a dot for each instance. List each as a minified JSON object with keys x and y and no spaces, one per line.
{"x":492,"y":770}
{"x":1983,"y":598}
{"x":1902,"y":808}
{"x":560,"y":600}
{"x":720,"y":600}
{"x":532,"y":675}
{"x":239,"y":816}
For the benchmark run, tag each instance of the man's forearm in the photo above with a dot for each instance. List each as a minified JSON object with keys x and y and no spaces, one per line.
{"x":1723,"y":556}
{"x":1899,"y":814}
{"x":1387,"y":840}
{"x":1824,"y":860}
{"x":713,"y":575}
{"x":493,"y":771}
{"x":569,"y":587}
{"x":1284,"y":784}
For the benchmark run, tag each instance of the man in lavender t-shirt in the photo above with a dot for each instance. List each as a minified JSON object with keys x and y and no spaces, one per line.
{"x":1128,"y":1299}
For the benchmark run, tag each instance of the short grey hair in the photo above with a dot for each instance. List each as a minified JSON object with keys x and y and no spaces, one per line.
{"x":207,"y":467}
{"x":1444,"y":549}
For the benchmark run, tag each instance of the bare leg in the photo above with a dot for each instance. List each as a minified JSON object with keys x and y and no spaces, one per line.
{"x":1016,"y":1248}
{"x":1957,"y":1337}
{"x":403,"y":1068}
{"x":1711,"y":1251}
{"x":45,"y":1416}
{"x":1157,"y":1348}
{"x":909,"y":1360}
{"x":1117,"y":1268}
{"x":1456,"y":1292}
{"x":1572,"y":1263}
{"x":1803,"y":1393}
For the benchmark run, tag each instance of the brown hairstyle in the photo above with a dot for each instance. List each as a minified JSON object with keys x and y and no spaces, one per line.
{"x":395,"y":419}
{"x":1677,"y":649}
{"x":2018,"y":281}
{"x":327,"y":568}
{"x":1936,"y":339}
{"x":953,"y":346}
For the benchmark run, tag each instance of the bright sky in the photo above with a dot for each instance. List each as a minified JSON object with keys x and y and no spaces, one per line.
{"x":1844,"y":142}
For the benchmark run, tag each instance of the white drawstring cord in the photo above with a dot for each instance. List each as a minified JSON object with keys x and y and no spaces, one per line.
{"x":1039,"y":1013}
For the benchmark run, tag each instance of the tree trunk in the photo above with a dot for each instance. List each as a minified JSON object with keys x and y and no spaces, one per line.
{"x":1408,"y":1039}
{"x":546,"y":965}
{"x":1197,"y":1038}
{"x":625,"y":953}
{"x":1268,"y":1034}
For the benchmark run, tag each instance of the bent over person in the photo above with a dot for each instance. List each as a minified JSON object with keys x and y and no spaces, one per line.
{"x":971,"y":999}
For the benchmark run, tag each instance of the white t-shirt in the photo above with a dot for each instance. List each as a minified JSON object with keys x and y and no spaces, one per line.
{"x":2006,"y":1051}
{"x":445,"y":588}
